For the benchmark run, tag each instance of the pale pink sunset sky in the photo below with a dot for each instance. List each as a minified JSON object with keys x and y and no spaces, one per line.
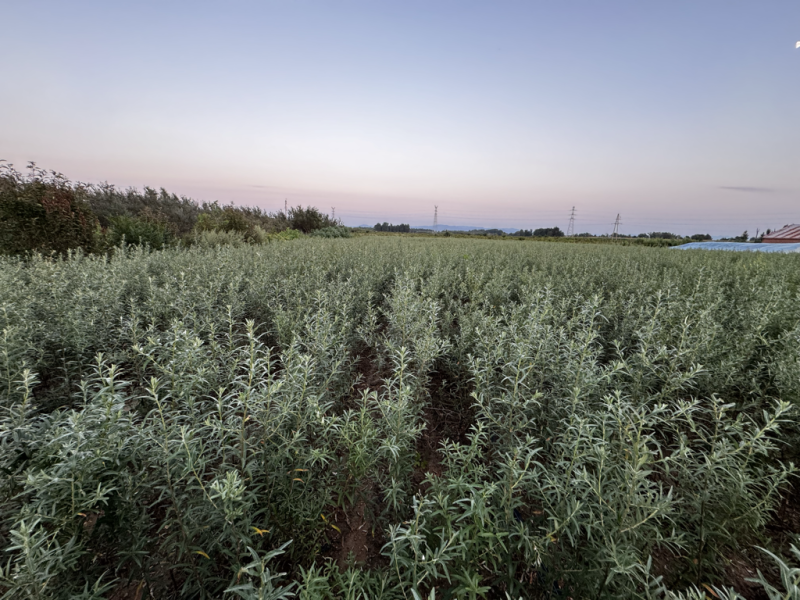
{"x":681,"y":116}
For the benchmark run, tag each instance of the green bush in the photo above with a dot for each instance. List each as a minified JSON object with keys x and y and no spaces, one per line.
{"x":226,"y":219}
{"x":213,"y":238}
{"x":285,"y":235}
{"x":308,"y":219}
{"x":135,"y":230}
{"x":178,"y":213}
{"x":43,"y":212}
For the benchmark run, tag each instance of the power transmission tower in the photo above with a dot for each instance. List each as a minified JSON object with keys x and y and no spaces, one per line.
{"x":435,"y":217}
{"x":286,"y":208}
{"x":333,"y":213}
{"x":616,"y":227}
{"x":571,"y":226}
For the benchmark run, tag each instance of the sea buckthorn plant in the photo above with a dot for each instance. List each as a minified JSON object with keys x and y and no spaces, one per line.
{"x":399,"y":418}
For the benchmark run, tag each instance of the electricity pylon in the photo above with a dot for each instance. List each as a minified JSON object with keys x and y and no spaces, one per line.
{"x":571,"y":226}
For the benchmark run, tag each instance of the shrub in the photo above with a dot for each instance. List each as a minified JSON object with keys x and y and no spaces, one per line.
{"x":285,"y":235}
{"x":139,"y":231}
{"x":213,"y":238}
{"x":226,"y":218}
{"x":43,"y":212}
{"x":308,"y":219}
{"x":178,"y":213}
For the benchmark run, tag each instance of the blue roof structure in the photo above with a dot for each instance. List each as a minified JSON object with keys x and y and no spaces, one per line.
{"x":740,"y":247}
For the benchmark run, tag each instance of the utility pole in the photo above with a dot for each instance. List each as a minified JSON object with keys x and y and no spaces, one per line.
{"x":571,"y":226}
{"x":435,"y":217}
{"x":616,"y":228}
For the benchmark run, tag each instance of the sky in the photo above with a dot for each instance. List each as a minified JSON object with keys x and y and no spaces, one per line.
{"x":679,"y":116}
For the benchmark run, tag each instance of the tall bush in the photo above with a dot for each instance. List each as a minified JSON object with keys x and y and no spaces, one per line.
{"x":42,"y":211}
{"x":137,"y":230}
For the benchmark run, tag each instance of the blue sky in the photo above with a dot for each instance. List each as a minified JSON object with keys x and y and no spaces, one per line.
{"x":681,"y":116}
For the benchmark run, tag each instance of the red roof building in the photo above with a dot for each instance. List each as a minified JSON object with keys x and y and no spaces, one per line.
{"x":786,"y":235}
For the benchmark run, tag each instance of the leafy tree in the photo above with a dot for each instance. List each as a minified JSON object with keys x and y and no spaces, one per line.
{"x":548,"y":232}
{"x":402,"y":228}
{"x":308,"y":219}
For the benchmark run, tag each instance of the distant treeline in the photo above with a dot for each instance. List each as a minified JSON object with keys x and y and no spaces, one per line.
{"x":666,"y":235}
{"x":555,"y":232}
{"x":655,"y":238}
{"x":402,"y":228}
{"x":541,"y":232}
{"x":42,"y":211}
{"x":606,"y":239}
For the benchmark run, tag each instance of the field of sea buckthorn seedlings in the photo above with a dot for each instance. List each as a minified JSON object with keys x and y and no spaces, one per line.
{"x":399,"y":418}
